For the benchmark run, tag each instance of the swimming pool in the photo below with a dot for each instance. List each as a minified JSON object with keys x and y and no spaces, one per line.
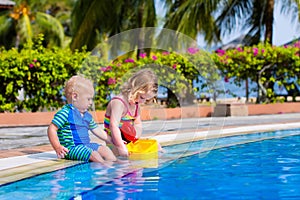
{"x":255,"y":166}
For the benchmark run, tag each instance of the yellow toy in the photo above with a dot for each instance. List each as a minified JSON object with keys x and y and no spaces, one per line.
{"x":143,"y":149}
{"x":144,"y":153}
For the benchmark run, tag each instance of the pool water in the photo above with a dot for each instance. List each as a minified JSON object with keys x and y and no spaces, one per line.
{"x":256,"y":166}
{"x":268,"y":169}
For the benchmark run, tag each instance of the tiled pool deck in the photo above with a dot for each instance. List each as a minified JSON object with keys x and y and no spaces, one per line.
{"x":25,"y":151}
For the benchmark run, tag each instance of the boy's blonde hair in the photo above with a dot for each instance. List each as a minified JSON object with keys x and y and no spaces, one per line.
{"x":141,"y":82}
{"x":77,"y":84}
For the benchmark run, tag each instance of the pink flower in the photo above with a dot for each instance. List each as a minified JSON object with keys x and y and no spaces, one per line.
{"x":255,"y":51}
{"x":35,"y":60}
{"x":143,"y":55}
{"x":174,"y":66}
{"x":239,"y":49}
{"x":220,"y":52}
{"x":192,"y":50}
{"x":154,"y":57}
{"x":263,"y":51}
{"x":165,"y":53}
{"x":129,"y":60}
{"x":108,"y":68}
{"x":111,"y":81}
{"x":31,"y":65}
{"x":297,"y":44}
{"x":103,"y":69}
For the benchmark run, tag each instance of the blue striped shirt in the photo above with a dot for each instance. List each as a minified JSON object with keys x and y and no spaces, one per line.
{"x":72,"y":127}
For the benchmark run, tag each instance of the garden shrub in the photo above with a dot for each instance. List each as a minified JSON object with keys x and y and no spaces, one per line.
{"x":264,"y":64}
{"x":39,"y":72}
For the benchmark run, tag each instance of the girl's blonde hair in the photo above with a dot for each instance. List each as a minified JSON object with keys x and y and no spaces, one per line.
{"x":77,"y":84}
{"x":141,"y":82}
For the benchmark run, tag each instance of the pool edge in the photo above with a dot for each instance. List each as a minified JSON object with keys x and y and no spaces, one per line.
{"x":22,"y":171}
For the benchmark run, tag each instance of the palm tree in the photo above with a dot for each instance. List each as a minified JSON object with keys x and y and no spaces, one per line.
{"x":94,"y":21}
{"x":255,"y":16}
{"x":193,"y":17}
{"x":20,"y":25}
{"x":221,"y":17}
{"x":61,"y":10}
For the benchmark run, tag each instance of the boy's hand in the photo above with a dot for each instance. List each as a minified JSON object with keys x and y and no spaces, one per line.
{"x":61,"y":151}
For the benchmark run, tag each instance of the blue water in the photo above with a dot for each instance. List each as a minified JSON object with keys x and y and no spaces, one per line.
{"x":268,"y":169}
{"x":261,"y":169}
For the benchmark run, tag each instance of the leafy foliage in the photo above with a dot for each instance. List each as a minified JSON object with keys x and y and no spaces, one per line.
{"x":264,"y":64}
{"x":175,"y":72}
{"x":24,"y":22}
{"x":39,"y":72}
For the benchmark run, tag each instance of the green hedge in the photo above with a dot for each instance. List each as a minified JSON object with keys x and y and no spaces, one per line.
{"x":39,"y":72}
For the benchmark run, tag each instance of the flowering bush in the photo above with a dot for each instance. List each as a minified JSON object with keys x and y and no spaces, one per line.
{"x":40,"y":73}
{"x":264,"y":64}
{"x":176,"y":72}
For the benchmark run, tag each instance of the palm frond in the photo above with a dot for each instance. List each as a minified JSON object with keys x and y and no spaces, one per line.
{"x":193,"y":17}
{"x":51,"y":25}
{"x":232,"y":14}
{"x":7,"y":31}
{"x":24,"y":29}
{"x":5,"y":24}
{"x":291,"y":7}
{"x":85,"y":17}
{"x":150,"y":14}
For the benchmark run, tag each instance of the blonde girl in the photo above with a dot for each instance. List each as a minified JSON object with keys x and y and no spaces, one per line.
{"x":124,"y":109}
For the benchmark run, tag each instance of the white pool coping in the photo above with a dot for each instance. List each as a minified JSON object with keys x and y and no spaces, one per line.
{"x":17,"y":161}
{"x":226,"y":131}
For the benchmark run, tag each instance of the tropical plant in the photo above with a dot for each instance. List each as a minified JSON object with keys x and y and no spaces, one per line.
{"x":193,"y":17}
{"x":256,"y":17}
{"x":33,"y":78}
{"x":20,"y":25}
{"x":39,"y":74}
{"x":264,"y":64}
{"x":94,"y":21}
{"x":176,"y":72}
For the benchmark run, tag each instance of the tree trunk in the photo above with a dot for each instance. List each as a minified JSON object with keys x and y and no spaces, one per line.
{"x":172,"y":101}
{"x":141,"y":34}
{"x":262,"y":90}
{"x":269,"y":21}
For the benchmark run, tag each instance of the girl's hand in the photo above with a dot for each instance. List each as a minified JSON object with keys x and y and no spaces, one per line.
{"x":123,"y":152}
